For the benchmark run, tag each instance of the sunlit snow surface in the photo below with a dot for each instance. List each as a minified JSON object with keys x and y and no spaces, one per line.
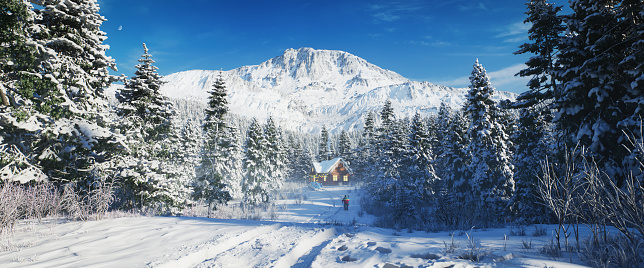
{"x":315,"y":233}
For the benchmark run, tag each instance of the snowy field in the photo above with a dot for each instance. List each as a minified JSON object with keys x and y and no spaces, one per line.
{"x":310,"y":232}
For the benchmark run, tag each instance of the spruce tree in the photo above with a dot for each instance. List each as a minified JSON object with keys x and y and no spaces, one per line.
{"x":140,"y":101}
{"x":421,"y":159}
{"x":532,"y":141}
{"x":300,"y":160}
{"x":218,"y":150}
{"x":21,"y":89}
{"x":490,"y":171}
{"x":53,"y":71}
{"x":386,"y":143}
{"x":438,"y":141}
{"x":255,"y":185}
{"x":276,"y":157}
{"x":146,"y":121}
{"x":456,"y":158}
{"x":599,"y":101}
{"x":365,"y":155}
{"x":545,"y":34}
{"x":345,"y":149}
{"x":324,"y":153}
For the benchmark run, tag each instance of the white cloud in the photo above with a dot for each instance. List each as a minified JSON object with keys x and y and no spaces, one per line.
{"x":515,"y":32}
{"x":503,"y":80}
{"x":506,"y":76}
{"x":386,"y":17}
{"x":474,"y":6}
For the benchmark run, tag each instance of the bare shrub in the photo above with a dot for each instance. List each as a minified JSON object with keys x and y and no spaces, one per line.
{"x":101,"y":198}
{"x":518,"y":230}
{"x":474,"y":251}
{"x":559,"y":187}
{"x":616,"y":250}
{"x":540,"y":230}
{"x":11,"y":200}
{"x":41,"y":200}
{"x":551,"y":249}
{"x":526,"y":244}
{"x":73,"y":204}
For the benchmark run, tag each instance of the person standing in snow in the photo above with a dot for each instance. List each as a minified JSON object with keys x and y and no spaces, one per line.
{"x":345,"y":201}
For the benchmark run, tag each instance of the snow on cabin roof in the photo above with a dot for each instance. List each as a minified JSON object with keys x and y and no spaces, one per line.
{"x":328,"y":165}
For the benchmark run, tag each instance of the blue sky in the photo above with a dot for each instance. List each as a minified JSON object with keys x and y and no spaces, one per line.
{"x":424,"y":40}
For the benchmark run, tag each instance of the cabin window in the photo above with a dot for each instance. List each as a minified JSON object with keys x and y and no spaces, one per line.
{"x":345,"y":178}
{"x":335,"y":177}
{"x":324,"y":178}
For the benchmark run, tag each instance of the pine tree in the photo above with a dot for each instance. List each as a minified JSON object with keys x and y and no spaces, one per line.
{"x":345,"y":149}
{"x":276,"y":157}
{"x":532,"y":141}
{"x":146,"y":121}
{"x":218,"y":150}
{"x":420,"y":161}
{"x":386,"y":143}
{"x":456,"y":158}
{"x":324,"y":153}
{"x":600,"y":101}
{"x":141,"y":102}
{"x":53,"y":81}
{"x":438,"y":141}
{"x":490,"y":170}
{"x":300,"y":161}
{"x":20,"y":89}
{"x":255,"y":185}
{"x":545,"y":34}
{"x":233,"y":166}
{"x":365,"y":152}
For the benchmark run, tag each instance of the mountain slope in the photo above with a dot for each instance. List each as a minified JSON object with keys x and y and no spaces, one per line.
{"x":304,"y":89}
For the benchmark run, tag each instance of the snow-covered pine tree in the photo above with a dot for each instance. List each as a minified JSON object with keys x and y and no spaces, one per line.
{"x":386,"y":143}
{"x":255,"y":185}
{"x":299,"y":160}
{"x":597,"y":103}
{"x":438,"y":141}
{"x":532,"y":142}
{"x":545,"y":34}
{"x":141,"y":102}
{"x":218,"y":149}
{"x":420,"y":159}
{"x":56,"y":98}
{"x":455,"y":157}
{"x":632,"y":65}
{"x":323,"y":148}
{"x":490,"y":172}
{"x":276,"y":156}
{"x":365,"y":154}
{"x":146,"y":121}
{"x":23,"y":95}
{"x":345,"y":148}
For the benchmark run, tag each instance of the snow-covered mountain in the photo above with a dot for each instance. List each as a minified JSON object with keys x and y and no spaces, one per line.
{"x":306,"y":88}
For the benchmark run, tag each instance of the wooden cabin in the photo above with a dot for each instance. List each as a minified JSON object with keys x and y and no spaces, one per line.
{"x":331,"y":172}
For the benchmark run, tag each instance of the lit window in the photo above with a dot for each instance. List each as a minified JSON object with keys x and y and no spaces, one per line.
{"x":335,"y":177}
{"x":345,"y":178}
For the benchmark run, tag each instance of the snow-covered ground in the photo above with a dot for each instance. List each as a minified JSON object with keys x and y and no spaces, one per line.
{"x":309,"y":232}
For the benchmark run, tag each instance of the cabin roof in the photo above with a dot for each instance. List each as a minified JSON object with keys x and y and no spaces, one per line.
{"x":329,"y":165}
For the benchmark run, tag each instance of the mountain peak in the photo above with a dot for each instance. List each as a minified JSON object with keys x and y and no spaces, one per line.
{"x":306,"y":88}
